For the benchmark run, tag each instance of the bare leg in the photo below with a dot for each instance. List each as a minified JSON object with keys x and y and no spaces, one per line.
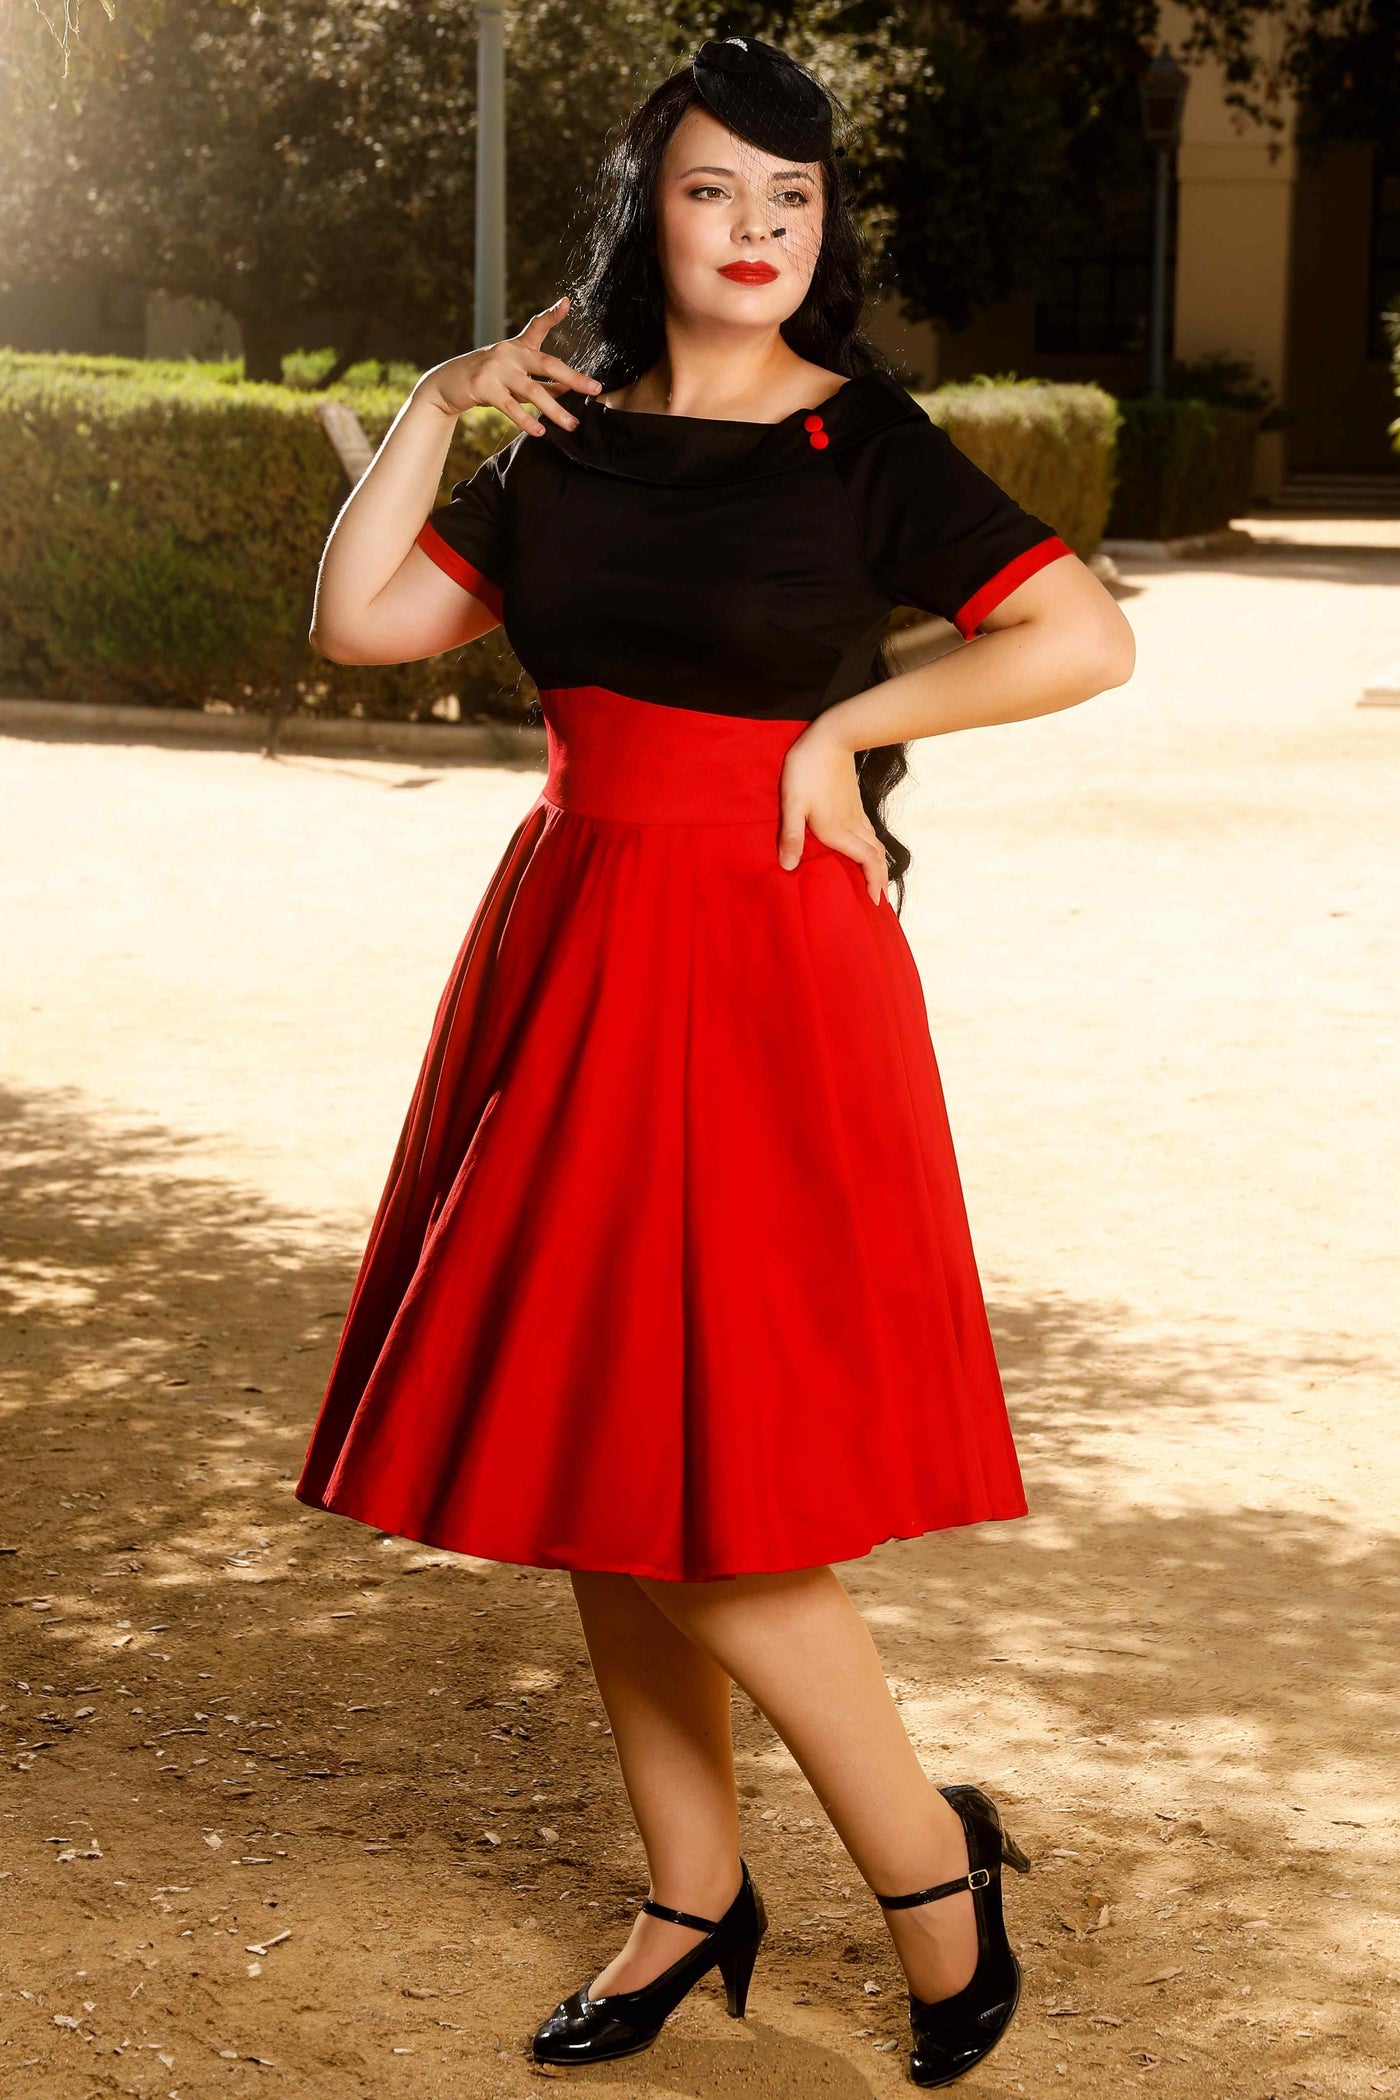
{"x":668,"y":1704}
{"x":797,"y":1645}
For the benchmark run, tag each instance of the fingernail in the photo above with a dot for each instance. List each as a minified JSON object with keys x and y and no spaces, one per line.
{"x":572,"y":421}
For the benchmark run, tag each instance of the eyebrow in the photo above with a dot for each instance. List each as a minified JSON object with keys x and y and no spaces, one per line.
{"x":778,"y":174}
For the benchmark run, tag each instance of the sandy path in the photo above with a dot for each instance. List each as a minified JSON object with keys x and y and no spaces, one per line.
{"x":1158,"y":937}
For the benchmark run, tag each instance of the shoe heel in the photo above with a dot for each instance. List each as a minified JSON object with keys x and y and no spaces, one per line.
{"x":736,"y":1968}
{"x":1013,"y":1855}
{"x":972,"y":1797}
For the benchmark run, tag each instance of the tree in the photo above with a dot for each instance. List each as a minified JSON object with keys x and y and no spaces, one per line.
{"x":64,"y":28}
{"x":1024,"y":129}
{"x":285,"y":157}
{"x":1024,"y":136}
{"x":292,"y":156}
{"x":249,"y":154}
{"x":1338,"y":60}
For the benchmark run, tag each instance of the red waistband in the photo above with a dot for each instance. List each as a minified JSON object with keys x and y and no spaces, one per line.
{"x":641,"y":762}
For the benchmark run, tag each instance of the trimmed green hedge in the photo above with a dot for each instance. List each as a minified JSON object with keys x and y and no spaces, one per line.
{"x":1049,"y":446}
{"x":1183,"y":467}
{"x":159,"y":522}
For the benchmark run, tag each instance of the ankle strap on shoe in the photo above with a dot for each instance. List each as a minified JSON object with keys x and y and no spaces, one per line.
{"x":977,"y":1879}
{"x":681,"y":1917}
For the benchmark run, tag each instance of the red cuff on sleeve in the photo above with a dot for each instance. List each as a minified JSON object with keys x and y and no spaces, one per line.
{"x":459,"y":568}
{"x":969,"y":617}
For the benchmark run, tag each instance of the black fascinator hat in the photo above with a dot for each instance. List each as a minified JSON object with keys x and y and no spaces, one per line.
{"x":764,"y":96}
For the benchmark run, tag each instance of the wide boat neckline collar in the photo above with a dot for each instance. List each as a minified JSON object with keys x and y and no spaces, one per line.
{"x":725,"y":422}
{"x":643,"y":445}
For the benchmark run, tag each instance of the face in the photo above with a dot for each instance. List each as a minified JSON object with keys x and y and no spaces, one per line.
{"x":738,"y":230}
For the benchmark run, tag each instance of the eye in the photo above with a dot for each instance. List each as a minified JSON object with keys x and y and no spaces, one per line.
{"x":701,"y":187}
{"x":800,"y":195}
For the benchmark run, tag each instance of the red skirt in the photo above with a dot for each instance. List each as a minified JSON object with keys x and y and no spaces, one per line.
{"x":672,"y":1274}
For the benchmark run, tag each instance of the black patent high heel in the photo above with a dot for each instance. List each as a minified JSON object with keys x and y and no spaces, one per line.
{"x":587,"y":2030}
{"x":952,"y":2034}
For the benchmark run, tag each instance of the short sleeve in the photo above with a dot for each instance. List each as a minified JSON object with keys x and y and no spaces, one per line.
{"x":939,"y":533}
{"x":468,"y":537}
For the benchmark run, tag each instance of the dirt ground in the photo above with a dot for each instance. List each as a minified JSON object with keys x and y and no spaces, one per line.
{"x":293,"y":1809}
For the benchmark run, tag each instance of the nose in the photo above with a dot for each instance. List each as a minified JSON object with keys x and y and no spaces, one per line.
{"x":752,"y":222}
{"x":763,"y":234}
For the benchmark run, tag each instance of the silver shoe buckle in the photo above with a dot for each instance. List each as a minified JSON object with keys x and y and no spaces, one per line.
{"x":978,"y":1878}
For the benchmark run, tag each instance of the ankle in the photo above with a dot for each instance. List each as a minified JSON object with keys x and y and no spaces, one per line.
{"x":705,"y":1892}
{"x":924,"y":1853}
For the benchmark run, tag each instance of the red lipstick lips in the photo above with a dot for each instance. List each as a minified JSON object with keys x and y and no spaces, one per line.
{"x":749,"y":272}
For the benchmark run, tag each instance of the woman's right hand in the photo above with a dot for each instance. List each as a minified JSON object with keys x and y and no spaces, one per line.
{"x":505,"y":375}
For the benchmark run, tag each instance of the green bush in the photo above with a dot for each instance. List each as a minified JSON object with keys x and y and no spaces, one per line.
{"x":310,"y":369}
{"x":1049,"y":446}
{"x":1184,"y":467}
{"x":1226,"y":382}
{"x":158,"y":526}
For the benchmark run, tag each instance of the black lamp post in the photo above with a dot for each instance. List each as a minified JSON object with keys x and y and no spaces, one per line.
{"x":1163,"y":90}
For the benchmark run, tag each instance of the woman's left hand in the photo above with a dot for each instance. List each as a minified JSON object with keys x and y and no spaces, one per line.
{"x":820,"y":792}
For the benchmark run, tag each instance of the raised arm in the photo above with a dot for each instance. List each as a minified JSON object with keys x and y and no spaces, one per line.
{"x":379,"y":598}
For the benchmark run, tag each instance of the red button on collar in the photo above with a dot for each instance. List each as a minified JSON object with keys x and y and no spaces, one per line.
{"x":812,"y":422}
{"x":819,"y":438}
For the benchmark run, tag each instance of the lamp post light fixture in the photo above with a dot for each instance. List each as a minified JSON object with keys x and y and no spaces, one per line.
{"x":1163,"y":90}
{"x":489,"y":261}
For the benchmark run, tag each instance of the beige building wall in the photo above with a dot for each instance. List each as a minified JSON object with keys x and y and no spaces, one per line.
{"x":1234,"y":235}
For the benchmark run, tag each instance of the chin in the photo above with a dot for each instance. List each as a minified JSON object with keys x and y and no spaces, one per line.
{"x":746,"y":305}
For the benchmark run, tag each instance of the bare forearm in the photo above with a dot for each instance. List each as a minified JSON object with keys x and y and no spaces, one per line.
{"x":1059,"y":638}
{"x":1010,"y":675}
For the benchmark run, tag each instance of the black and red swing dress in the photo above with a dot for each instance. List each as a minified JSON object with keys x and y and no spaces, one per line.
{"x":672,"y":1273}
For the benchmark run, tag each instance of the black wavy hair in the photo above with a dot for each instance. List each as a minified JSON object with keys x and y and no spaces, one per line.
{"x":617,"y":331}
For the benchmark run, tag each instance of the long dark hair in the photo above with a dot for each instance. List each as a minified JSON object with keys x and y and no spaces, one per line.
{"x":617,"y":326}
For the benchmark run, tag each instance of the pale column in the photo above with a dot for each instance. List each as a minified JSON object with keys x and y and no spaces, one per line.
{"x":1234,"y":232}
{"x":489,"y":260}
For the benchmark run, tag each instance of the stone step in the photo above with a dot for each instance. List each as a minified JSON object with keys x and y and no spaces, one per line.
{"x":1340,"y":495}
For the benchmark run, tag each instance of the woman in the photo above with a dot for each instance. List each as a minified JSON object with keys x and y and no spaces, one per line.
{"x":671,"y":1283}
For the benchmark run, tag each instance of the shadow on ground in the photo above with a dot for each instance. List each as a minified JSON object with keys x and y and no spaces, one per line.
{"x":232,"y":1718}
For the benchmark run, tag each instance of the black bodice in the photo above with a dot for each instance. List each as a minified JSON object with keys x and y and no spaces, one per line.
{"x":740,"y":568}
